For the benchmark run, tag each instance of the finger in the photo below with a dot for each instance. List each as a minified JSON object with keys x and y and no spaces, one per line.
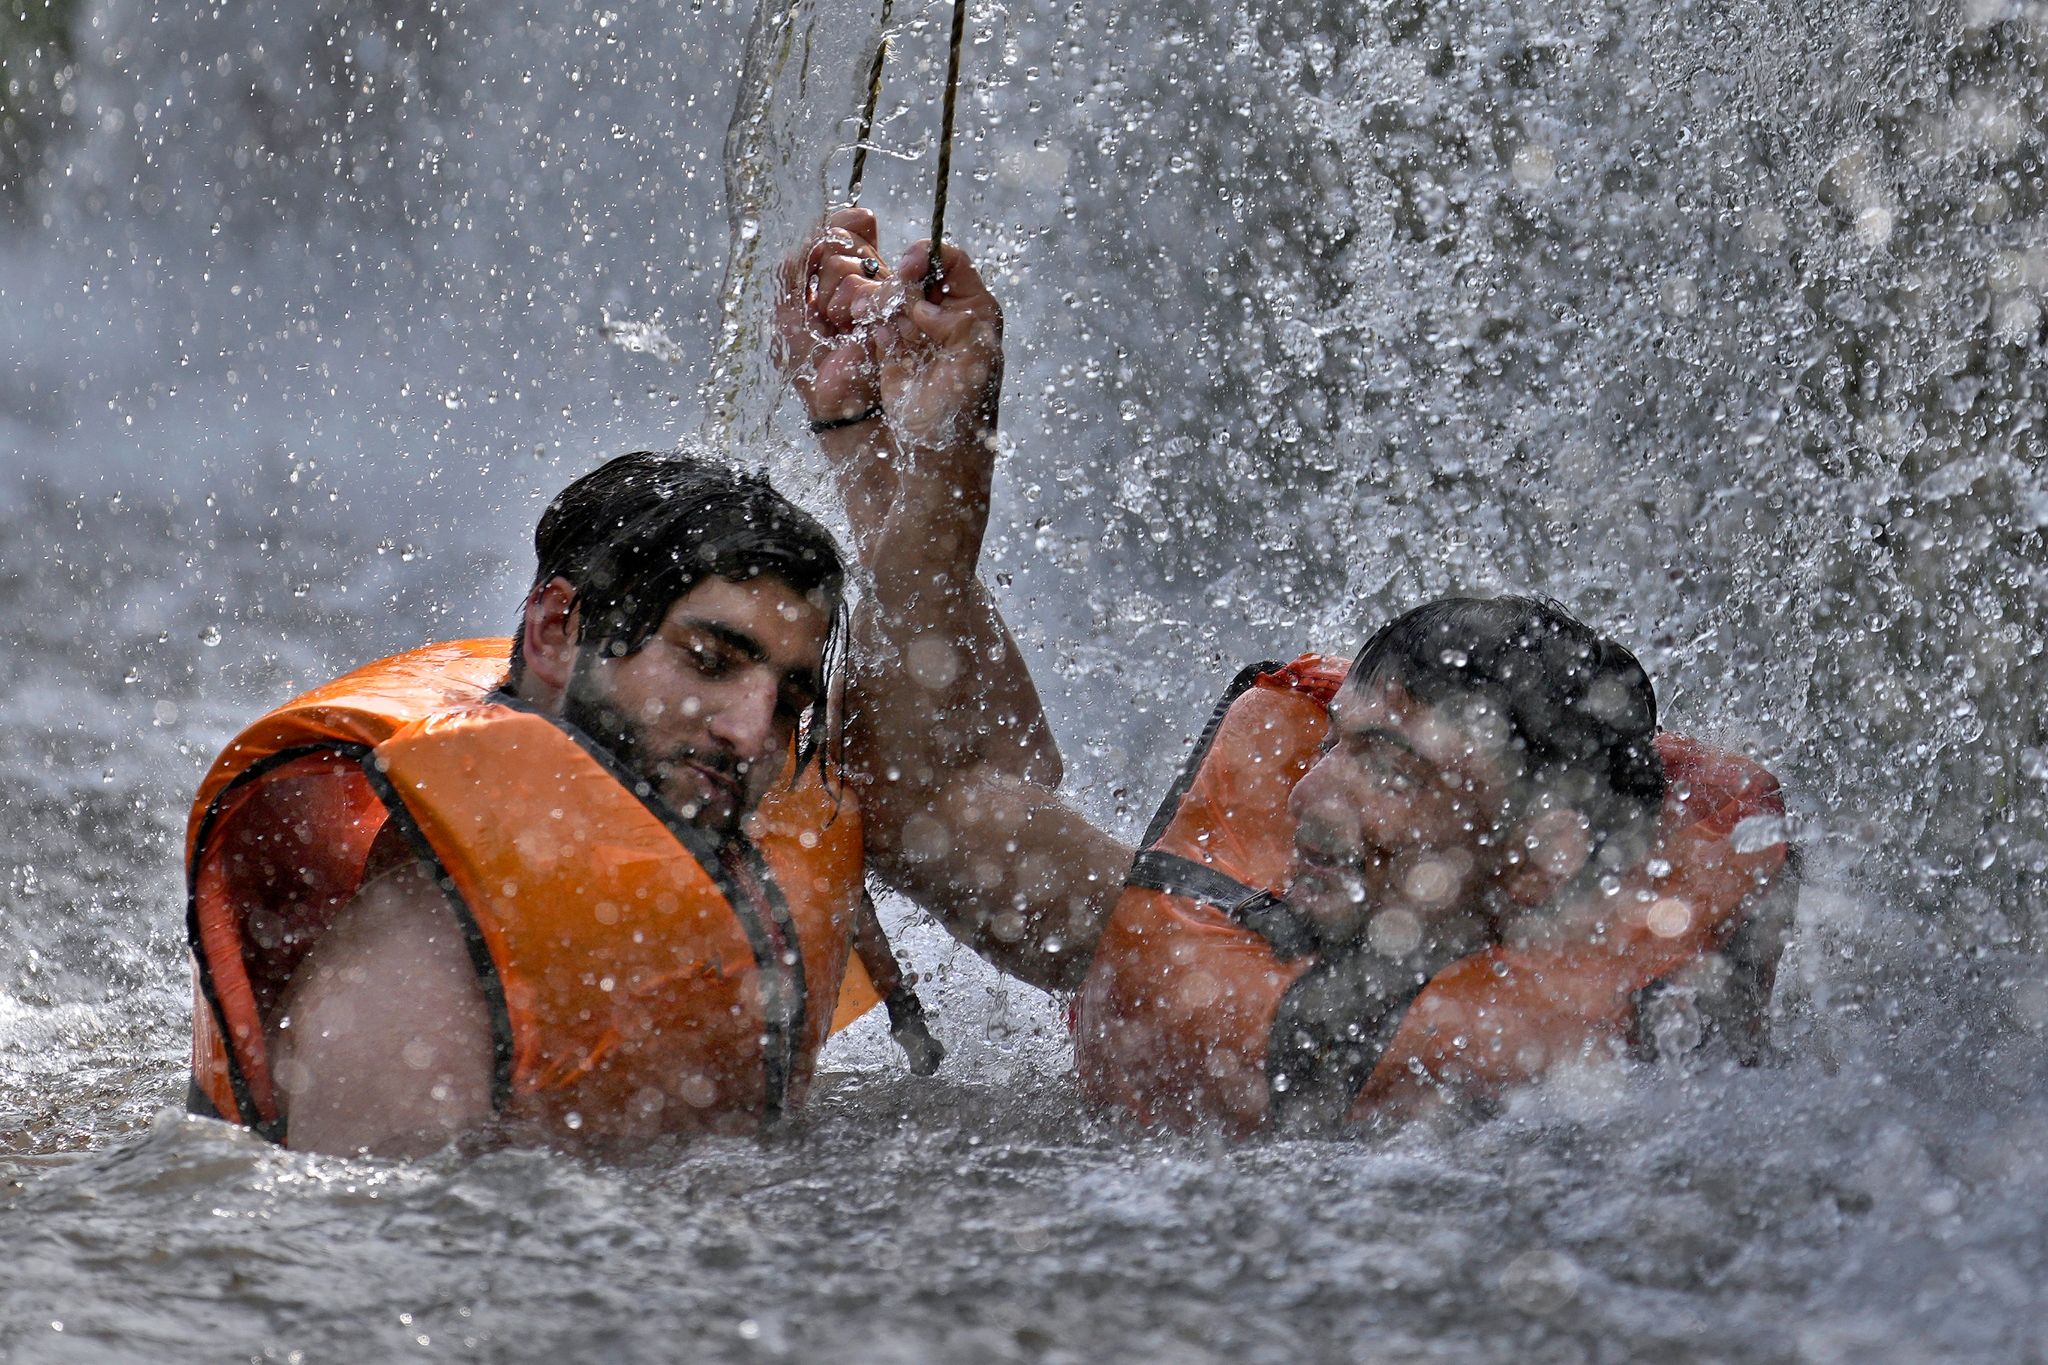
{"x":953,"y":327}
{"x":958,"y":279}
{"x":855,"y":301}
{"x":900,"y":346}
{"x":871,"y":301}
{"x":860,"y":224}
{"x":833,"y":259}
{"x":834,"y":266}
{"x":911,"y":266}
{"x":848,"y":286}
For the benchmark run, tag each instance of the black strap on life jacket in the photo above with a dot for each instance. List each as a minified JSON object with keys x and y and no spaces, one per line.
{"x":906,"y":1012}
{"x":1329,"y":1033}
{"x":1258,"y":910}
{"x":1170,"y":806}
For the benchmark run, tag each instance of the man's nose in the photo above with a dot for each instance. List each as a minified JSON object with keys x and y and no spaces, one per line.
{"x":745,"y":724}
{"x":1322,"y":796}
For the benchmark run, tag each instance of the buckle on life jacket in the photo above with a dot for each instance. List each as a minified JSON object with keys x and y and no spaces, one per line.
{"x":1257,"y":909}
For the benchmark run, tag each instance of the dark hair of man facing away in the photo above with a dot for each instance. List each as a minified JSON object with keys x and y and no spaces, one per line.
{"x":1578,"y":708}
{"x":640,"y":531}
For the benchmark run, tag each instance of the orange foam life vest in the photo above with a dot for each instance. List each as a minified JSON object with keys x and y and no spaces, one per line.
{"x":1175,"y":1020}
{"x":640,"y":979}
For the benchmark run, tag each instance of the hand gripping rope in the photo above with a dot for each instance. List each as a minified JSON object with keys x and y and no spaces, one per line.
{"x":867,"y":127}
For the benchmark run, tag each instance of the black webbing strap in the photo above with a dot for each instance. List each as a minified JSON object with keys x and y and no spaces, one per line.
{"x":1329,"y":1033}
{"x":198,"y":1102}
{"x":1185,"y":778}
{"x":1256,"y":909}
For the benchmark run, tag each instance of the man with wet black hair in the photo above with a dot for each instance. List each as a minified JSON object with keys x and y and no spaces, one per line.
{"x":1491,"y":762}
{"x":619,"y":547}
{"x":1488,"y":762}
{"x":1566,"y":719}
{"x":380,"y":867}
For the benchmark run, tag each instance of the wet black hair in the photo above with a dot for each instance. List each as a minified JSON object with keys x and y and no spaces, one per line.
{"x":1578,"y":707}
{"x":640,"y":531}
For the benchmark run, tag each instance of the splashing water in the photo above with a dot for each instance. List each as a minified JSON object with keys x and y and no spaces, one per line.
{"x":811,"y":58}
{"x":1722,"y":324}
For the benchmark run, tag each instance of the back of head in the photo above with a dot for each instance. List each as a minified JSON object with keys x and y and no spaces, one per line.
{"x":640,"y":531}
{"x":1577,"y":707}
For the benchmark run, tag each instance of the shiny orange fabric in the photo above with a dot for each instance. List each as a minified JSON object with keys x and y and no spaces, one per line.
{"x":631,"y":992}
{"x":1173,"y":1020}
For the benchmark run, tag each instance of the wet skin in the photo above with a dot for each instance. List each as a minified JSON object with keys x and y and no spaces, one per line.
{"x":1402,"y":812}
{"x":707,"y":707}
{"x":1419,"y":811}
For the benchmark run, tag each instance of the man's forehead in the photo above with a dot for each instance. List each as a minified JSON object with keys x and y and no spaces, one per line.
{"x":765,"y":616}
{"x":1382,"y":704}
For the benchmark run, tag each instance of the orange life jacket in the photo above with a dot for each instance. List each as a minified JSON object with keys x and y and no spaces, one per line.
{"x":640,"y":980}
{"x":1175,"y":1020}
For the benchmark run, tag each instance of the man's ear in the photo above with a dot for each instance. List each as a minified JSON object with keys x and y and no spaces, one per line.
{"x":548,"y":640}
{"x":1554,"y":845}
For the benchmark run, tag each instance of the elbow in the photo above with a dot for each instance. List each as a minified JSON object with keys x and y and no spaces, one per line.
{"x":1043,"y":766}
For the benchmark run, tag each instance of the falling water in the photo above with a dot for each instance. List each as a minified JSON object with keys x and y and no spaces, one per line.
{"x":1721,"y":323}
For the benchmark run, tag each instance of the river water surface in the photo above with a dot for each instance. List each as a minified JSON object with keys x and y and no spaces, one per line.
{"x":1721,"y":322}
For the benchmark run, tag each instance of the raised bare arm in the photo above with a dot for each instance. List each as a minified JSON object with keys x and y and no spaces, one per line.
{"x":947,"y":733}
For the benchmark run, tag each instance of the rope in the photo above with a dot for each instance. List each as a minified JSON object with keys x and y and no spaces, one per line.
{"x":931,"y":277}
{"x":867,"y":114}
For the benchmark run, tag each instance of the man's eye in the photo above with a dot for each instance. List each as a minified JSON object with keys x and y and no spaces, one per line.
{"x":711,"y":663}
{"x":1395,"y":774}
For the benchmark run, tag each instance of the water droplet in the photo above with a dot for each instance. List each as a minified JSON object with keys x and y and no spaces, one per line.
{"x":210,"y":636}
{"x":1534,"y":166}
{"x":1759,"y":832}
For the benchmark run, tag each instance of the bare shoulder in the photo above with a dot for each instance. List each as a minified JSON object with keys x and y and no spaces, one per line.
{"x":383,"y":1043}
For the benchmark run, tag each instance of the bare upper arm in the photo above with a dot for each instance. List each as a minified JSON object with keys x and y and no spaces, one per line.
{"x":1009,"y":868}
{"x":383,"y":1041}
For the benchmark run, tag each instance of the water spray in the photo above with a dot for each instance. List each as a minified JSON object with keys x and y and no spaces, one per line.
{"x":867,"y":113}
